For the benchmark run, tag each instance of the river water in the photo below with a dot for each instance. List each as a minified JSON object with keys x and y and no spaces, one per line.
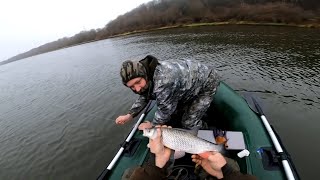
{"x":57,"y":109}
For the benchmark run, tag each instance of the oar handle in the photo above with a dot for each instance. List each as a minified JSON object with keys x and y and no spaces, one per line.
{"x":117,"y":156}
{"x":288,"y":170}
{"x":135,"y":127}
{"x":103,"y":175}
{"x":271,"y":133}
{"x":285,"y":163}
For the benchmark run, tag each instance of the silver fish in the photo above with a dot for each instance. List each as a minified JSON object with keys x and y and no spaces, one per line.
{"x":180,"y":140}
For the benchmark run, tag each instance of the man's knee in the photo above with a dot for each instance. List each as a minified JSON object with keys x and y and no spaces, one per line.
{"x":143,"y":173}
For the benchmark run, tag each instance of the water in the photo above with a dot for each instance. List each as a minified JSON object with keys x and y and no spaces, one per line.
{"x":57,"y":109}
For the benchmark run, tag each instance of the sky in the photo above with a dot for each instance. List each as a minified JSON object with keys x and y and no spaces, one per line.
{"x":26,"y":24}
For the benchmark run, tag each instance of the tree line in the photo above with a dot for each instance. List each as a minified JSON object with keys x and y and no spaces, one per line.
{"x":160,"y":13}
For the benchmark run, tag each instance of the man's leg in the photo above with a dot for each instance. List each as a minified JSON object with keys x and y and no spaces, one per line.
{"x":198,"y":107}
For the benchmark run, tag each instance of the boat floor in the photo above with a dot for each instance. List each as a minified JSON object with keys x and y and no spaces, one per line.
{"x":183,"y":167}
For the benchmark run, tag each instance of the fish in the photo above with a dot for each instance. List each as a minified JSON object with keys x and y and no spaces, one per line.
{"x":181,"y":140}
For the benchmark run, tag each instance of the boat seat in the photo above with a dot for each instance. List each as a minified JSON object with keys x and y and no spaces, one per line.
{"x":235,"y":139}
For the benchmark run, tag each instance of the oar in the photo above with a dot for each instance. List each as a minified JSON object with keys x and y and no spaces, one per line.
{"x":103,"y":175}
{"x":275,"y":139}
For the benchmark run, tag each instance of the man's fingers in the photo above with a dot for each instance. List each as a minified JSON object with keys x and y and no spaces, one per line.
{"x":119,"y":122}
{"x":197,"y":161}
{"x":158,"y":133}
{"x":194,"y":156}
{"x":142,"y":126}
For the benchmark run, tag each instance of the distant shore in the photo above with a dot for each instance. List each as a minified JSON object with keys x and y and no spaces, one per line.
{"x":187,"y":25}
{"x":307,"y":25}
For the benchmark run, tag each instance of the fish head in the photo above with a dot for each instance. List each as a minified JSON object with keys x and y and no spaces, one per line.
{"x":150,"y":133}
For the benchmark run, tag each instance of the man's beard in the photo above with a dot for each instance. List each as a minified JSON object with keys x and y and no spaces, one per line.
{"x":144,"y":90}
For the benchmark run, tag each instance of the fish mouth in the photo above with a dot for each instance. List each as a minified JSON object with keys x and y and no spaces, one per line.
{"x":144,"y":132}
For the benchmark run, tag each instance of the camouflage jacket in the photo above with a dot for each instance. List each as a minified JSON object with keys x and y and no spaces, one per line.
{"x":185,"y":82}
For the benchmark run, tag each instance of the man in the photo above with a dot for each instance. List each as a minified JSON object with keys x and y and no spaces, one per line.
{"x":184,"y":88}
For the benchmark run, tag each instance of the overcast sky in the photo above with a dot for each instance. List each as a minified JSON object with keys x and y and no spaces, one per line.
{"x":26,"y":24}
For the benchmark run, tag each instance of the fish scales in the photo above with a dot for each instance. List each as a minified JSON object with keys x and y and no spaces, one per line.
{"x":180,"y":140}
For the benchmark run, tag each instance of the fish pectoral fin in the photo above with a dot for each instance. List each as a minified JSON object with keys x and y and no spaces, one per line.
{"x":179,"y":154}
{"x":205,"y":155}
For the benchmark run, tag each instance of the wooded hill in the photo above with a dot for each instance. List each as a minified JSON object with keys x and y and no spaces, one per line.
{"x":162,"y":13}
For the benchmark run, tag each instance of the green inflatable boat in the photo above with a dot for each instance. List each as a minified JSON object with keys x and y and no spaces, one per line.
{"x":267,"y":160}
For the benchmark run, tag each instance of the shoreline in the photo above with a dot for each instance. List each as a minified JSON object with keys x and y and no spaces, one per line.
{"x":190,"y":25}
{"x":215,"y":24}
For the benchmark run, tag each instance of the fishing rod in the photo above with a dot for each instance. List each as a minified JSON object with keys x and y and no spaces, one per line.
{"x":103,"y":175}
{"x":273,"y":136}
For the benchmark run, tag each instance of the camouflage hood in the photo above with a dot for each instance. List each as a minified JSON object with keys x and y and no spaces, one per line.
{"x":131,"y":70}
{"x":143,"y":68}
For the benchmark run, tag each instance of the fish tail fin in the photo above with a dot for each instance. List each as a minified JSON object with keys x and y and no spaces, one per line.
{"x":222,"y":140}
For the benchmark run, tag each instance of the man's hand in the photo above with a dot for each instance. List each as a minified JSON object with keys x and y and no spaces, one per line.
{"x":145,"y":125}
{"x":161,"y":152}
{"x":212,"y":165}
{"x":123,"y":119}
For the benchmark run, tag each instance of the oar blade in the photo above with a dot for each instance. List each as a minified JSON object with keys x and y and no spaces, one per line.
{"x":253,"y":102}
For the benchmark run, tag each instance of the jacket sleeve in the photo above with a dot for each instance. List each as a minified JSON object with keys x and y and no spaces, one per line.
{"x":166,"y":102}
{"x":138,"y":106}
